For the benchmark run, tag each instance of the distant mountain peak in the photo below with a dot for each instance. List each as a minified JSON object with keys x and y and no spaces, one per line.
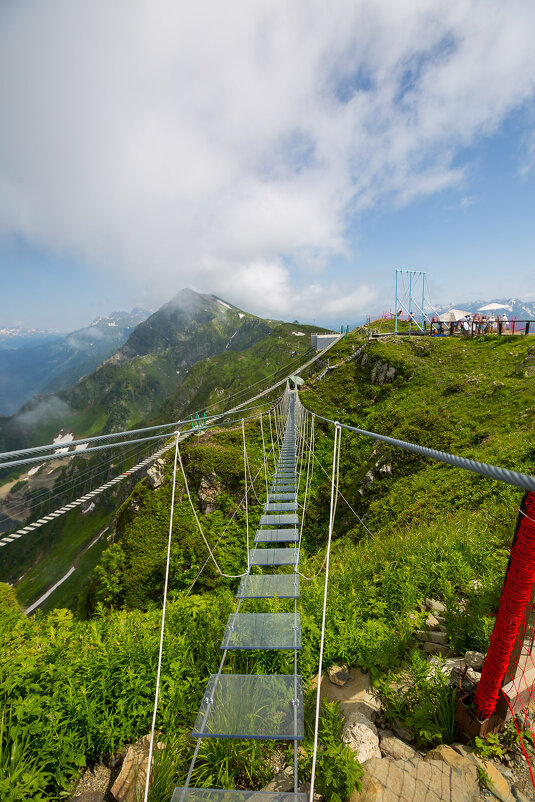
{"x":515,"y":308}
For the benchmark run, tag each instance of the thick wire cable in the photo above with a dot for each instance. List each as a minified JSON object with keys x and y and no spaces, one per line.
{"x":484,"y":469}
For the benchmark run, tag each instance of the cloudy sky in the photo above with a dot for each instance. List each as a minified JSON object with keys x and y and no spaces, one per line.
{"x":286,"y":155}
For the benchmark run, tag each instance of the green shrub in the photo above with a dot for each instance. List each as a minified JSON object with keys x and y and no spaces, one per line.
{"x":422,"y":699}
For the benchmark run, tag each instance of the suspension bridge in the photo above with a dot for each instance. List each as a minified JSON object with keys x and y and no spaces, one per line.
{"x":270,"y":706}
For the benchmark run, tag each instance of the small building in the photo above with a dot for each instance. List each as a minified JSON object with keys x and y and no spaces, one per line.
{"x":321,"y":341}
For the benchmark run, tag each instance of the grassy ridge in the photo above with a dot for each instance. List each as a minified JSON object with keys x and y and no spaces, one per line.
{"x":431,"y":531}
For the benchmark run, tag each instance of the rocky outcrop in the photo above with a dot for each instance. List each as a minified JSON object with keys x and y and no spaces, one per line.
{"x":130,"y":783}
{"x":339,"y":675}
{"x":383,"y":373}
{"x":395,"y":748}
{"x":208,"y":493}
{"x":156,"y":474}
{"x":388,"y":779}
{"x":360,"y":734}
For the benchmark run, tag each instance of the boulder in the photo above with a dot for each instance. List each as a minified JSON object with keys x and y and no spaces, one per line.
{"x":436,"y":648}
{"x":367,"y":480}
{"x":355,"y":696}
{"x":465,"y":765}
{"x":130,"y":783}
{"x":435,"y":606}
{"x":156,"y":474}
{"x":360,"y":734}
{"x":339,"y":675}
{"x":432,"y":622}
{"x":395,"y":748}
{"x":208,"y":492}
{"x":439,"y":637}
{"x":389,"y":780}
{"x":448,"y":667}
{"x":474,"y":660}
{"x":401,"y":731}
{"x":500,"y":786}
{"x":281,"y":782}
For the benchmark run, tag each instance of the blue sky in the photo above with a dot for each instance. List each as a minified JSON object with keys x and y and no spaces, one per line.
{"x":287,"y":157}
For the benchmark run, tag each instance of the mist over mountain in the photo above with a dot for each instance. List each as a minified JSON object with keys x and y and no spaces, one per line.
{"x":42,"y":362}
{"x":135,"y":380}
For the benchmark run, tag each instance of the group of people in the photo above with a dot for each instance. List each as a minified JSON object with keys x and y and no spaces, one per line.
{"x":471,"y":323}
{"x":488,"y":325}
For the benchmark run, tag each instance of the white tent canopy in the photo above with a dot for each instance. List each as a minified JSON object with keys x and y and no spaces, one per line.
{"x":453,"y":316}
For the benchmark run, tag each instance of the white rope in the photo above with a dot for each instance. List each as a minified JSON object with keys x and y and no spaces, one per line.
{"x":246,"y":499}
{"x":336,"y":464}
{"x":264,"y":454}
{"x":336,"y":494}
{"x":357,"y":516}
{"x":272,"y":444}
{"x":307,"y":486}
{"x":227,"y":576}
{"x":224,"y":530}
{"x":160,"y":652}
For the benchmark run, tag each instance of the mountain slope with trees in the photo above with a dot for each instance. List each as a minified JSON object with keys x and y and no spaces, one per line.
{"x":430,"y":531}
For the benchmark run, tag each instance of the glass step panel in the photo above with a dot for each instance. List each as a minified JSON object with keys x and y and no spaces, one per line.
{"x":221,"y":795}
{"x":280,"y":506}
{"x":270,"y":586}
{"x":276,"y":520}
{"x":288,"y":556}
{"x":281,"y":496}
{"x":262,"y":631}
{"x":283,"y":488}
{"x":277,"y":536}
{"x":252,"y":706}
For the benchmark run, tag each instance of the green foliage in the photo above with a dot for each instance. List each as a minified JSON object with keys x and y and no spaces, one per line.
{"x":489,"y":747}
{"x":338,"y":772}
{"x":108,"y":576}
{"x":483,"y":777}
{"x":78,"y":690}
{"x":422,"y":699}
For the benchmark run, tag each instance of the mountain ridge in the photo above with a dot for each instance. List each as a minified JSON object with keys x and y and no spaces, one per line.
{"x":61,"y":359}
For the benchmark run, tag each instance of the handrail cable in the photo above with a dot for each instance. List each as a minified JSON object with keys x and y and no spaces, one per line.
{"x":484,"y":469}
{"x":122,"y":433}
{"x":71,"y":454}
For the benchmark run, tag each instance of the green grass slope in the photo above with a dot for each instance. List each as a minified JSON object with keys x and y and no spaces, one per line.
{"x":431,"y":530}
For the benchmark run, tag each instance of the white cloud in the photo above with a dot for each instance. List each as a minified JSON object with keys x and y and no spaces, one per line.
{"x":230,"y":146}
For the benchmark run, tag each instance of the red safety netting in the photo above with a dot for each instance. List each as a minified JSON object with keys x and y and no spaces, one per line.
{"x":509,"y":668}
